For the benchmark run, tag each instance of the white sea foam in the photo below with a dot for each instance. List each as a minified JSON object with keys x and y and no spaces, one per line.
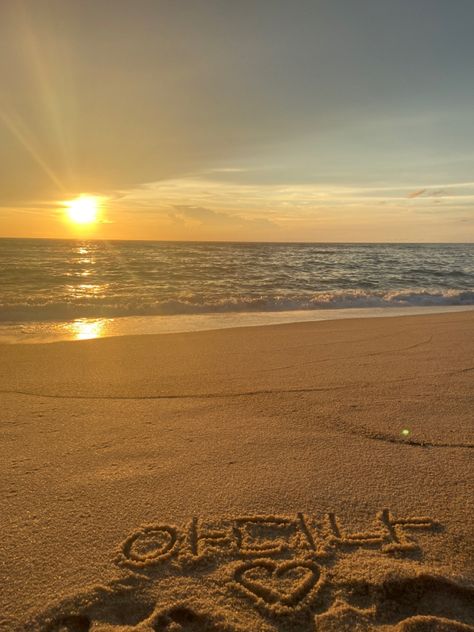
{"x":336,"y":299}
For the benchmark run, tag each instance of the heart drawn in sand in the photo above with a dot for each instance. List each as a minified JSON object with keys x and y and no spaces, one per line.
{"x":284,"y":583}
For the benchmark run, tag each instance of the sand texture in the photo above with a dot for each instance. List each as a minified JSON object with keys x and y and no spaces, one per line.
{"x":304,"y":477}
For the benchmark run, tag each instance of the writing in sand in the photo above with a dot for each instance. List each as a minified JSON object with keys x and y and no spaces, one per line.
{"x":261,"y":536}
{"x":270,"y":572}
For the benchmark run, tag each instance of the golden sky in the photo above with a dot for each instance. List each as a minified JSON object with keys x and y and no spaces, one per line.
{"x":218,"y":120}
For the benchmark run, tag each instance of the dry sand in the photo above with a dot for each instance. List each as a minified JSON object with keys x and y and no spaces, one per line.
{"x":313,"y":476}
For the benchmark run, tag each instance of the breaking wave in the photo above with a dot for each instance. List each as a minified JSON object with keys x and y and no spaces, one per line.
{"x":36,"y":311}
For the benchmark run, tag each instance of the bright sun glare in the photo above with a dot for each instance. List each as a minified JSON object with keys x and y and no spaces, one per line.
{"x":83,"y":210}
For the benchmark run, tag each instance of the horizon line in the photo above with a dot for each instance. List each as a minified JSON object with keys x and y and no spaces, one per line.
{"x":228,"y":241}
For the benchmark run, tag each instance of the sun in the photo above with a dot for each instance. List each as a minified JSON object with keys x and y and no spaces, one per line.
{"x":83,"y":209}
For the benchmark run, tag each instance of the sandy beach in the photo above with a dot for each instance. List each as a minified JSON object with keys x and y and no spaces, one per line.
{"x":308,"y":476}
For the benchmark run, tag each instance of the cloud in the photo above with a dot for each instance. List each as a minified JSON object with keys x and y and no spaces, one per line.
{"x":201,"y":199}
{"x":416,"y":194}
{"x":434,"y":193}
{"x":217,"y":219}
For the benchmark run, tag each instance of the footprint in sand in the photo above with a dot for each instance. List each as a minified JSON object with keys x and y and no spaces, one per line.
{"x":343,"y":617}
{"x":183,"y":619}
{"x":426,"y":603}
{"x":179,"y":618}
{"x":72,"y":623}
{"x":119,"y":610}
{"x":433,"y":624}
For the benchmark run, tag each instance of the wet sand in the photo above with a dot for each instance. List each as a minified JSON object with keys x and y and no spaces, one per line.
{"x":310,"y":476}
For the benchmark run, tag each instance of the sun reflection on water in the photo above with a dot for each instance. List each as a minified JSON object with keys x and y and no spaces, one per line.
{"x":87,"y":329}
{"x":87,"y":289}
{"x":85,"y":256}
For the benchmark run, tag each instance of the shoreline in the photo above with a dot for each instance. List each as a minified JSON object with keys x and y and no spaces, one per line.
{"x":98,"y":328}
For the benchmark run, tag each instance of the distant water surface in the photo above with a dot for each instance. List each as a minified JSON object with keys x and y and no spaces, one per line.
{"x":54,"y":281}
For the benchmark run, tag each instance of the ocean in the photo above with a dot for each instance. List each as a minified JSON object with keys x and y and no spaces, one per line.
{"x":69,"y":289}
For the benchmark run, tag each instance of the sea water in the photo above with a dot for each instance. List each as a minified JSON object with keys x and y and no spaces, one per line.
{"x":66,"y":289}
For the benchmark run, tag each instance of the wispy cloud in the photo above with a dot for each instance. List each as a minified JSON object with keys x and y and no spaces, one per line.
{"x":416,"y":194}
{"x":208,"y":217}
{"x":270,"y":200}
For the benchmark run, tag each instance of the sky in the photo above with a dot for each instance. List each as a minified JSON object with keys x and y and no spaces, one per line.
{"x":258,"y":120}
